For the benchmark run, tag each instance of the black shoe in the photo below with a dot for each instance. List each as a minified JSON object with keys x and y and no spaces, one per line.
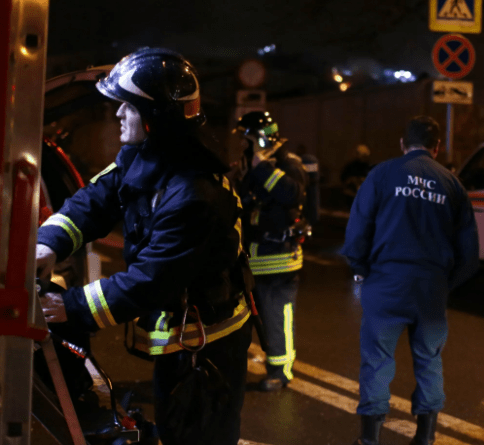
{"x":271,"y":384}
{"x":370,"y":429}
{"x":426,"y":426}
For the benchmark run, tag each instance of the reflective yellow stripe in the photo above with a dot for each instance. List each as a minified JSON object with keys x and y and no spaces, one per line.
{"x":278,"y":263}
{"x":92,"y":307}
{"x":66,"y":223}
{"x":167,"y":341}
{"x":253,"y":250}
{"x":288,"y":332}
{"x":273,"y":179}
{"x":162,"y":322}
{"x":98,"y":305}
{"x":238,"y":223}
{"x":286,"y":360}
{"x":226,"y":184}
{"x":238,"y":227}
{"x":104,"y":172}
{"x":281,"y":359}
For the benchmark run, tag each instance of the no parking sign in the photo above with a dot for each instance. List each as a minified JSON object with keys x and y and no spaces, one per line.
{"x":454,"y":56}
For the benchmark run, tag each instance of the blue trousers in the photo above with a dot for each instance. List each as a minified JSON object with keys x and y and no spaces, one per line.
{"x":390,"y":305}
{"x":275,"y":297}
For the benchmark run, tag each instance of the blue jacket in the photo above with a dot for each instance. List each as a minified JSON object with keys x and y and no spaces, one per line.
{"x":182,"y":230}
{"x":273,"y":195}
{"x":412,"y":217}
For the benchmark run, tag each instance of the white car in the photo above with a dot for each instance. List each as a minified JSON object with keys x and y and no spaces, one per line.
{"x":472,"y":176}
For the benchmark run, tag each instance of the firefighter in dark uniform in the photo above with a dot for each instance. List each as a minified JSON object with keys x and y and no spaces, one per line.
{"x":273,"y":192}
{"x":183,"y":246}
{"x":410,"y":239}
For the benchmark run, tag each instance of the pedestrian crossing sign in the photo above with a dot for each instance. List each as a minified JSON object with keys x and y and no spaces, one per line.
{"x":464,"y":16}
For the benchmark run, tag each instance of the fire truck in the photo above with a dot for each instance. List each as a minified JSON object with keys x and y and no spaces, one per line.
{"x":35,"y":177}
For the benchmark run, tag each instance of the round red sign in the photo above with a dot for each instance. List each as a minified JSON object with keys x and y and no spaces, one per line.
{"x":453,"y":56}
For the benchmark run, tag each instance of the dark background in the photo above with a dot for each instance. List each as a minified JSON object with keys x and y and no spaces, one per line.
{"x":310,"y":36}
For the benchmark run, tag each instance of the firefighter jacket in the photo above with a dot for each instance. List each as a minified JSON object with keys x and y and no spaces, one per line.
{"x":182,"y":231}
{"x":273,"y":195}
{"x":412,"y":217}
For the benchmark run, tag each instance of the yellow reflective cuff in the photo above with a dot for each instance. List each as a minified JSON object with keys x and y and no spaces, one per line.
{"x":110,"y":167}
{"x":273,"y":179}
{"x":98,"y":305}
{"x":92,"y":307}
{"x":281,"y":359}
{"x":68,"y":225}
{"x":104,"y":304}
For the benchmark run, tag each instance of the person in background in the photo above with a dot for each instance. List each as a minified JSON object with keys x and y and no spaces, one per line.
{"x":187,"y":273}
{"x":354,"y":173}
{"x":313,"y":200}
{"x":272,"y":188}
{"x":410,"y":239}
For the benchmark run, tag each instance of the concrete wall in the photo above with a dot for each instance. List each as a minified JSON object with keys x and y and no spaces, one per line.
{"x":332,"y":125}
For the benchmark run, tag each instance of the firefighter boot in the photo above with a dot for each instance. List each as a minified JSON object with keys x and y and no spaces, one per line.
{"x":370,"y":429}
{"x":426,"y":426}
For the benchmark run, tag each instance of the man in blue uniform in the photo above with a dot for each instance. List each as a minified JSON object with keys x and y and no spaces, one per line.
{"x":273,"y":193}
{"x":186,"y":271}
{"x":410,"y":239}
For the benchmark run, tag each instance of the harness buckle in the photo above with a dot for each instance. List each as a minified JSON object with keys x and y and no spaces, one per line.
{"x":193,"y":311}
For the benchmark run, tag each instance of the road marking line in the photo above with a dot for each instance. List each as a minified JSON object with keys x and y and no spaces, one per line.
{"x":399,"y":426}
{"x":398,"y":403}
{"x":249,"y":442}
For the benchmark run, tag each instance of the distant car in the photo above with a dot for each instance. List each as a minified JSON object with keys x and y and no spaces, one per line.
{"x":472,"y":176}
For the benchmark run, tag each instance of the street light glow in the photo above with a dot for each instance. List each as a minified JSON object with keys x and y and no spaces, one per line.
{"x":338,"y":78}
{"x":344,"y":86}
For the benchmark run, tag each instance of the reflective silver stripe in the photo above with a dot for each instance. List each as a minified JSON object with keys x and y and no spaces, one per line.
{"x":98,"y":305}
{"x":268,"y":264}
{"x":281,"y":359}
{"x":273,"y":179}
{"x":71,"y":229}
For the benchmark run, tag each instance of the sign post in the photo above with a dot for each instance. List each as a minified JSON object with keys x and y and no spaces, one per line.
{"x":453,"y":57}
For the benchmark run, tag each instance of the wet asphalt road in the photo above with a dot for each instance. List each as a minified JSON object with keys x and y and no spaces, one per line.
{"x":318,"y":407}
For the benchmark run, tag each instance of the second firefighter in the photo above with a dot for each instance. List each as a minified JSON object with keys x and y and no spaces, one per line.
{"x":272,"y":186}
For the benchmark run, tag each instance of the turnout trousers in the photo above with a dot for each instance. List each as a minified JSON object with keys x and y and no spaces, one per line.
{"x":390,"y":305}
{"x":275,"y":298}
{"x":229,"y":355}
